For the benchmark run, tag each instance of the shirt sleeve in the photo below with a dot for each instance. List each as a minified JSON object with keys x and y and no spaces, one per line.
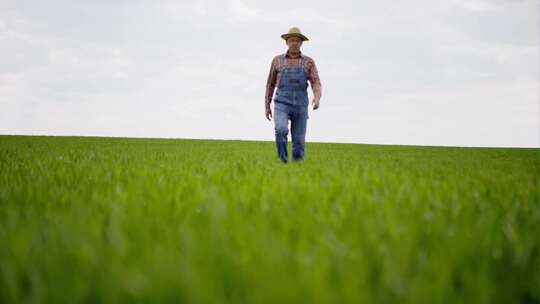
{"x":271,"y":82}
{"x":315,"y":80}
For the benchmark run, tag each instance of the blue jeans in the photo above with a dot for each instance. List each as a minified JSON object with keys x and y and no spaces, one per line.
{"x":298,"y":116}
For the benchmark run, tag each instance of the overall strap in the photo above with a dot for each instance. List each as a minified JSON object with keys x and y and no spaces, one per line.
{"x":283,"y":61}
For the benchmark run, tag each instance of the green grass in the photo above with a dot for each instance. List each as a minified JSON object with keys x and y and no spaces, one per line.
{"x":87,"y":219}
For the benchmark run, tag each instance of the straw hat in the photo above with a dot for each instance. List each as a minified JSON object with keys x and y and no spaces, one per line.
{"x":294,"y":32}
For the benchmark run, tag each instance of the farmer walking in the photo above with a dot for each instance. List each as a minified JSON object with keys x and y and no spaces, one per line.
{"x":291,"y":71}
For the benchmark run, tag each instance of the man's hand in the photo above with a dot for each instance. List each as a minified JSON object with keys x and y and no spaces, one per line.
{"x":315,"y":103}
{"x":268,"y":112}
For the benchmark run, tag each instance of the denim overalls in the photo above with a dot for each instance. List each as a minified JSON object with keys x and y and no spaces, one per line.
{"x":291,"y":102}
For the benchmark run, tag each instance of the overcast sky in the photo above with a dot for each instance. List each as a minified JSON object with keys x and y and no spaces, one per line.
{"x":421,"y":72}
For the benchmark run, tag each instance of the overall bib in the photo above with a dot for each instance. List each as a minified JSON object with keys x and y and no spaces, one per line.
{"x":291,"y":103}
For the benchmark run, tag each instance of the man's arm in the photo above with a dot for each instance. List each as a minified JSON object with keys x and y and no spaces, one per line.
{"x":315,"y":81}
{"x":270,"y":83}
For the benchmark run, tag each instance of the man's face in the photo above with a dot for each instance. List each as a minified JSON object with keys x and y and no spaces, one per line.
{"x":294,"y":43}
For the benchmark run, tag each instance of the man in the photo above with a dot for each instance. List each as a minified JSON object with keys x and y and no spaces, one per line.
{"x":291,"y":71}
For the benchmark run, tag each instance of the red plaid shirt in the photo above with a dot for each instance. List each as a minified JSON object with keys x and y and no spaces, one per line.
{"x":275,"y":74}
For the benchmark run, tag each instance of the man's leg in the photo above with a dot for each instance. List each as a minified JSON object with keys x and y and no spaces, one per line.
{"x":281,"y":127}
{"x":298,"y":132}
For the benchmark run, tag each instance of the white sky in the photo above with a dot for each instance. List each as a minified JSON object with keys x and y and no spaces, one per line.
{"x":421,"y":72}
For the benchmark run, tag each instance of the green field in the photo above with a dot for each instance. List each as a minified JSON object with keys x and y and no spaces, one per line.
{"x":89,"y":219}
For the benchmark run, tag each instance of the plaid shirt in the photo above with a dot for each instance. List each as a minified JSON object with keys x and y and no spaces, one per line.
{"x":275,"y":74}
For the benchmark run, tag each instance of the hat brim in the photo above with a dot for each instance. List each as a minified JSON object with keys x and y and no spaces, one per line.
{"x":285,"y":36}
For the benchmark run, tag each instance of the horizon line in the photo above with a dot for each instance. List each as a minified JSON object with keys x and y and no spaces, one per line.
{"x":259,"y":140}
